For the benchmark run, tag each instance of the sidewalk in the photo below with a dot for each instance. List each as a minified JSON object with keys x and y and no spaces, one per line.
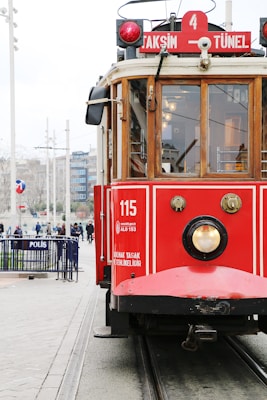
{"x":40,"y":332}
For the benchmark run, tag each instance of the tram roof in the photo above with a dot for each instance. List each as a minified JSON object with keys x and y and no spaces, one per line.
{"x":177,"y":67}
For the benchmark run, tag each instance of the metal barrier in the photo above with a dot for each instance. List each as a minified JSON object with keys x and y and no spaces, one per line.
{"x":40,"y":254}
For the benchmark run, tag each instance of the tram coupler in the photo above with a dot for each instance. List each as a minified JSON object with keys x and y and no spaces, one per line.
{"x":190,"y":343}
{"x":205,"y":333}
{"x":197,"y":334}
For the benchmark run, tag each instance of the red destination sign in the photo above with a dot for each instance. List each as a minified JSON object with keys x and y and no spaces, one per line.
{"x":195,"y":26}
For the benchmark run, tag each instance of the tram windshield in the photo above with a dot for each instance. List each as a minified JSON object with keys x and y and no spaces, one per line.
{"x":227,"y":138}
{"x":180,"y":128}
{"x":205,"y":128}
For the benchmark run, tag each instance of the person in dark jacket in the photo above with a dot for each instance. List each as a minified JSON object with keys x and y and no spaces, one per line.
{"x":18,"y":232}
{"x":1,"y":229}
{"x":37,"y":228}
{"x":74,"y":230}
{"x":17,"y":244}
{"x":90,"y":230}
{"x":81,"y":230}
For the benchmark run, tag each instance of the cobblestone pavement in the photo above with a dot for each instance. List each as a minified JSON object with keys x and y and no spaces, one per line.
{"x":40,"y":322}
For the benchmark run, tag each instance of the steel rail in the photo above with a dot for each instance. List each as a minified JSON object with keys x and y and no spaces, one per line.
{"x":254,"y":364}
{"x":152,"y":382}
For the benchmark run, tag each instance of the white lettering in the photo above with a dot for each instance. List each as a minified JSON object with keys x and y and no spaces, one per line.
{"x":230,"y":41}
{"x":132,"y":254}
{"x":127,"y":258}
{"x":119,"y":254}
{"x":122,"y":263}
{"x":128,"y":208}
{"x":240,"y":41}
{"x":38,"y":244}
{"x":127,"y":263}
{"x":148,"y":41}
{"x":136,"y":263}
{"x":193,"y":22}
{"x":157,"y":41}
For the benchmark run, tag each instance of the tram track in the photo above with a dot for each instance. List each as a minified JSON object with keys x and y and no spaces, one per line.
{"x":248,"y":357}
{"x":227,"y":369}
{"x":152,"y":383}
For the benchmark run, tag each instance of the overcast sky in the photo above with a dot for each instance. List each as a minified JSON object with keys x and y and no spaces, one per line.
{"x":64,"y":46}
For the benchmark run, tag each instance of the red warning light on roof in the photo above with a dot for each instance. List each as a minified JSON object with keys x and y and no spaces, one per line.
{"x":263,"y":32}
{"x":129,"y":33}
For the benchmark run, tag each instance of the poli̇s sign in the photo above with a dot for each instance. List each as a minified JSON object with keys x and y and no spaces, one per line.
{"x":36,"y":245}
{"x":20,"y":186}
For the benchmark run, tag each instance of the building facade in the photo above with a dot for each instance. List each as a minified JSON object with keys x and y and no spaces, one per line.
{"x":35,"y":172}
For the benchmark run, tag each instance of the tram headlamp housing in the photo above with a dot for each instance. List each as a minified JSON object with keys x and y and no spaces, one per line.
{"x":205,"y":238}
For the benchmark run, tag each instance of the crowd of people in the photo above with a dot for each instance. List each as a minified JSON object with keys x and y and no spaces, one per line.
{"x":76,"y":230}
{"x":38,"y":229}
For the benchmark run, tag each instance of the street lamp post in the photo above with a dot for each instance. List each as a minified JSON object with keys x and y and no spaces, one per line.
{"x":47,"y":175}
{"x":9,"y":19}
{"x":54,"y":181}
{"x":67,"y":214}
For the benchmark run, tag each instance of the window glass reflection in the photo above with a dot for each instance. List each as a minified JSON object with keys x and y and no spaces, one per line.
{"x":227,"y":139}
{"x":181,"y":129}
{"x":138,"y":128}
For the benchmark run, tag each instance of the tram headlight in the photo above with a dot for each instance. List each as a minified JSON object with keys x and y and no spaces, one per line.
{"x":205,"y":238}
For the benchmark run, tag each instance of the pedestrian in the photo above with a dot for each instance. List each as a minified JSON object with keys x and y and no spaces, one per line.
{"x":48,"y":229}
{"x":62,"y":231}
{"x":37,"y":228}
{"x":90,"y":230}
{"x":17,"y":244}
{"x":74,"y":230}
{"x":81,"y":230}
{"x":58,"y":228}
{"x":18,"y":232}
{"x":1,"y":229}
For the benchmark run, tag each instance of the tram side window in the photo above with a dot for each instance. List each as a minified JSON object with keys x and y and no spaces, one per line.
{"x":227,"y":139}
{"x":264,"y":130}
{"x":138,"y":128}
{"x":180,"y":151}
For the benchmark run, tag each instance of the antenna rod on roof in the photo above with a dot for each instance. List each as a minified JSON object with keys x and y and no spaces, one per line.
{"x":228,"y":15}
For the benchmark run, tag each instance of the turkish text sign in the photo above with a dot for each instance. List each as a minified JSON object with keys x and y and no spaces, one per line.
{"x":195,"y":27}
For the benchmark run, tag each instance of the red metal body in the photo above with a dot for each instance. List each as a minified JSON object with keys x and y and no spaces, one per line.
{"x":149,"y":262}
{"x":150,"y":240}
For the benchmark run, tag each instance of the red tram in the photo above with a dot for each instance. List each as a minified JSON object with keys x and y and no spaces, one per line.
{"x":181,"y":200}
